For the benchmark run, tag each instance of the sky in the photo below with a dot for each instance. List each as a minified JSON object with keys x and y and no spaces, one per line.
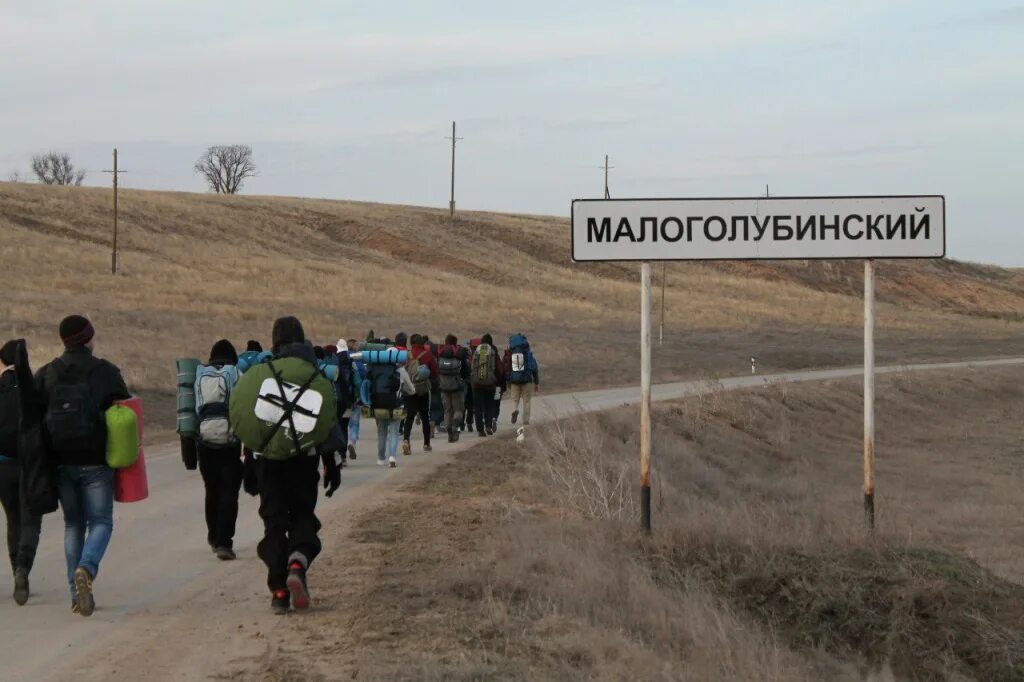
{"x":353,"y":100}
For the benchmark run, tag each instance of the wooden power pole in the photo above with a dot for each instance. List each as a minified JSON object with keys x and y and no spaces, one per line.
{"x":607,"y":194}
{"x":113,"y":250}
{"x":451,"y":202}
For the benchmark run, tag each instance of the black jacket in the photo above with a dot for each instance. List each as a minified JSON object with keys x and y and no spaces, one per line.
{"x":10,"y":414}
{"x":107,"y":387}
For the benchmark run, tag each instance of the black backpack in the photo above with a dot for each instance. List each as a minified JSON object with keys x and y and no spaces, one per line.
{"x":72,"y":416}
{"x":384,"y":386}
{"x":449,"y":366}
{"x":344,"y":388}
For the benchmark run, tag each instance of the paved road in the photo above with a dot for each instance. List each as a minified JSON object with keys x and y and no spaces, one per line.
{"x":158,"y":567}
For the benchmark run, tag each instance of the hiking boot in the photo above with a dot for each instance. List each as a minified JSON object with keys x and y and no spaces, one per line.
{"x":225,"y":553}
{"x":20,"y":586}
{"x":281,"y":602}
{"x":451,"y":437}
{"x":455,"y":436}
{"x":427,"y":448}
{"x":406,"y":448}
{"x":481,"y":433}
{"x":392,"y":462}
{"x":515,"y":416}
{"x":74,"y":607}
{"x":351,"y":452}
{"x":83,"y":587}
{"x":297,"y":585}
{"x":490,"y":430}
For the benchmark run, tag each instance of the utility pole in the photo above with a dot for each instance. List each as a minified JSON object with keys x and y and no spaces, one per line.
{"x":766,"y":194}
{"x":661,"y":329}
{"x":607,"y":195}
{"x":113,"y":251}
{"x":451,"y":202}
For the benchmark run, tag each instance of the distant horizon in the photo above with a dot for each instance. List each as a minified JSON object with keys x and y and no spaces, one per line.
{"x":341,"y":100}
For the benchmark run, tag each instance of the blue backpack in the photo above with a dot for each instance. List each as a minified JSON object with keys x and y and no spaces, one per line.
{"x":521,"y":365}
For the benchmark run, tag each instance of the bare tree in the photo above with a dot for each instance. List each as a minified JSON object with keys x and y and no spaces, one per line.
{"x":16,"y":176}
{"x":55,"y":168}
{"x":226,"y":167}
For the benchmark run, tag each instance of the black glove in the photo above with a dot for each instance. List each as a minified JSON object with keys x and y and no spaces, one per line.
{"x":250,"y":481}
{"x":332,"y":471}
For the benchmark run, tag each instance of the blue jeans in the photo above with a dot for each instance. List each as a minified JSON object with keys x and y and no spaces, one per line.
{"x":87,"y":497}
{"x":353,"y":426}
{"x":388,"y":433}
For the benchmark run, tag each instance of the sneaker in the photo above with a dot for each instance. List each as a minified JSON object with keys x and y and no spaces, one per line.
{"x":74,"y":607}
{"x":83,"y":587}
{"x":392,"y":462}
{"x":521,"y":435}
{"x":427,"y":448}
{"x":297,"y":585}
{"x":351,"y":452}
{"x":455,"y":436}
{"x":381,"y":462}
{"x":20,"y":586}
{"x":281,"y":602}
{"x":481,"y":434}
{"x":515,"y":416}
{"x":490,"y":430}
{"x":225,"y":553}
{"x":406,"y":448}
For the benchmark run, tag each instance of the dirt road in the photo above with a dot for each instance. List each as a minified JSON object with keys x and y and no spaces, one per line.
{"x":168,"y":610}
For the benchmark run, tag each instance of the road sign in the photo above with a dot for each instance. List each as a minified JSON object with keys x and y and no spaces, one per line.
{"x":776,"y":228}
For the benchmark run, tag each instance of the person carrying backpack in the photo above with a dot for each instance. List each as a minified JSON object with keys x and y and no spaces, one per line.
{"x":285,"y":411}
{"x":470,"y":347}
{"x":23,"y":526}
{"x":359,"y":373}
{"x":486,"y":377}
{"x":220,"y":462}
{"x":453,"y":367}
{"x":78,"y":388}
{"x":418,"y":404}
{"x":523,"y":376}
{"x":383,"y":394}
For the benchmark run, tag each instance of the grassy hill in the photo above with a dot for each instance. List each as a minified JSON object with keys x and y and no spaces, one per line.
{"x":196,"y":267}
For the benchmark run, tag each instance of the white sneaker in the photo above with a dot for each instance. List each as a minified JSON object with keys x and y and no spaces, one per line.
{"x":521,"y":434}
{"x":380,"y":462}
{"x":392,"y":462}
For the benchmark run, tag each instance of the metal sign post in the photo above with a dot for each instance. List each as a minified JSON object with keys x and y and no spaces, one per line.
{"x":645,"y":396}
{"x":761,"y":228}
{"x":869,"y":394}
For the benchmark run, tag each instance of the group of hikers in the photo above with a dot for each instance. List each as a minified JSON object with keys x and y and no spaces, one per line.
{"x":273,"y":423}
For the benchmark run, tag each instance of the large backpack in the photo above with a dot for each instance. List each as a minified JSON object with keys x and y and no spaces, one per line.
{"x":72,"y":417}
{"x":520,"y":365}
{"x":384,"y":385}
{"x":213,"y":393}
{"x":449,"y":367}
{"x":345,"y":386}
{"x":485,"y":370}
{"x":420,"y":378}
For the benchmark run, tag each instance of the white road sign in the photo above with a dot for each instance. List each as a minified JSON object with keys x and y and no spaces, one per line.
{"x":775,"y":228}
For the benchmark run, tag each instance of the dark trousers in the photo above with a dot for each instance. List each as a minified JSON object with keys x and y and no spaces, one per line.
{"x":417,"y":405}
{"x":485,"y":407}
{"x":22,"y":527}
{"x":221,"y":469}
{"x":288,"y":493}
{"x":436,"y":406}
{"x":468,"y":404}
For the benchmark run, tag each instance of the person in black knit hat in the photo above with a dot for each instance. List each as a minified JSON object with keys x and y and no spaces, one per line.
{"x":220,"y":462}
{"x":78,"y":443}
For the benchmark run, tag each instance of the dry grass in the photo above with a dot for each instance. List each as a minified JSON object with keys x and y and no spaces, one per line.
{"x":521,"y":563}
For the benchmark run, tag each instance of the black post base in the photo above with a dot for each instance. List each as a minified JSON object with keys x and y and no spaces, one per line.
{"x":869,"y":511}
{"x":645,"y":507}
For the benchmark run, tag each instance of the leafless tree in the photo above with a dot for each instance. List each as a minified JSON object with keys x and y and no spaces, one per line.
{"x":16,"y":176}
{"x":55,"y":168}
{"x":226,"y":167}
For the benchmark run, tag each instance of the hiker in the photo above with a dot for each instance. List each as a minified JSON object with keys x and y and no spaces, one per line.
{"x":220,"y":462}
{"x":470,"y":347}
{"x":346,"y":390}
{"x":78,"y":388}
{"x":384,"y":392}
{"x":359,"y":372}
{"x":523,"y":376}
{"x":284,"y":410}
{"x":436,"y":404}
{"x":486,"y":378}
{"x":453,"y":367}
{"x":22,"y":525}
{"x":418,"y":403}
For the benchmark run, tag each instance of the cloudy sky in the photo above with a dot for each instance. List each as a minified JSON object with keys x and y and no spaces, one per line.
{"x":354,"y":99}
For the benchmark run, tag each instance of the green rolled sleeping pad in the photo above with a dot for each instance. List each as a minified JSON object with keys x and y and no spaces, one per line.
{"x":122,"y":437}
{"x":188,"y":421}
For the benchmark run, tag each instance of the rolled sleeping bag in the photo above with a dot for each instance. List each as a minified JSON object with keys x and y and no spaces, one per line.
{"x":122,"y":436}
{"x":251,"y":358}
{"x":188,"y":421}
{"x":131,"y":483}
{"x":330,"y":371}
{"x":388,"y":356}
